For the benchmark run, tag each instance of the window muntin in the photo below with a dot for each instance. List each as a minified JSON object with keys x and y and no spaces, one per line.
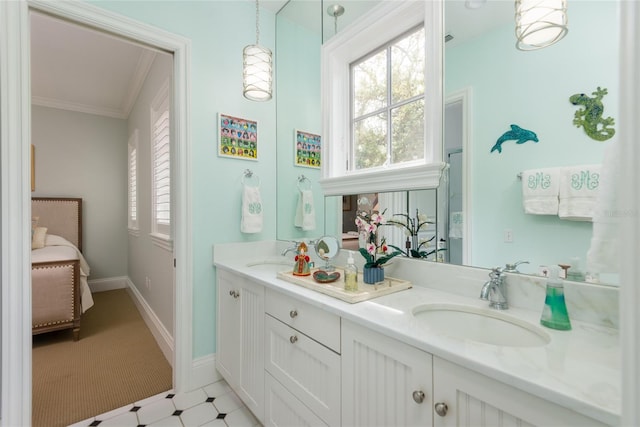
{"x":387,"y":112}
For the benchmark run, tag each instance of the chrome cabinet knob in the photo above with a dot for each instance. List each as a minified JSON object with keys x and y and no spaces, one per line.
{"x":234,"y":294}
{"x":441,"y":408}
{"x":293,"y":314}
{"x":418,"y":396}
{"x":293,"y":339}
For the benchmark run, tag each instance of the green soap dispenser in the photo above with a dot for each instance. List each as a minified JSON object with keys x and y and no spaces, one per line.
{"x":554,"y":313}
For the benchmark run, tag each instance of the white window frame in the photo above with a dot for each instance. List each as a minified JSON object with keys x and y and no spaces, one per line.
{"x":389,"y":104}
{"x":384,"y":23}
{"x":160,"y":233}
{"x":132,"y":187}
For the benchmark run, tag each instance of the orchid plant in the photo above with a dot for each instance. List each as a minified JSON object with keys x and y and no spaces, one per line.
{"x":415,"y":248}
{"x":375,"y":253}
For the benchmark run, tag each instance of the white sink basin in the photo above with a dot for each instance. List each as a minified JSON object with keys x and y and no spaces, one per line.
{"x":275,"y":264}
{"x":487,"y":326}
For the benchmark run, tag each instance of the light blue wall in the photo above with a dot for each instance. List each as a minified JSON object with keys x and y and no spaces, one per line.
{"x":532,"y":89}
{"x":298,"y":84}
{"x":218,"y":30}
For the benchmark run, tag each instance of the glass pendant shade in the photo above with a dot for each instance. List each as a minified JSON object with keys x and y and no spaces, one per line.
{"x":257,"y":65}
{"x":540,"y":23}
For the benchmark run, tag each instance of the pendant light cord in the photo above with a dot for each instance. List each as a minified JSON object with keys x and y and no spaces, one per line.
{"x":257,"y":23}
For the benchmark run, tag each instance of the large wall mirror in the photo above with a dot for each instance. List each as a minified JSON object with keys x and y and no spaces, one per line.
{"x":489,"y":85}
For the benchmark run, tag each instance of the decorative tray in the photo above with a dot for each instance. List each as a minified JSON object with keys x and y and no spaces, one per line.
{"x":336,"y":289}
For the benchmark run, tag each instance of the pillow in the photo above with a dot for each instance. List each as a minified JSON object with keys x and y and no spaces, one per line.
{"x":38,"y":239}
{"x":34,"y":224}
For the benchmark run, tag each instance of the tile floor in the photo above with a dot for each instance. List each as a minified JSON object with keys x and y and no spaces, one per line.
{"x":215,"y":405}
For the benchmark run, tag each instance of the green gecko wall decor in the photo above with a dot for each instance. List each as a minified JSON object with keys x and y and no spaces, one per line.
{"x":590,"y":117}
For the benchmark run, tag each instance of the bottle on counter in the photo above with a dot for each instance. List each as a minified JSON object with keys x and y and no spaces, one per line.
{"x":574,"y":272}
{"x":351,"y":275}
{"x":554,"y":313}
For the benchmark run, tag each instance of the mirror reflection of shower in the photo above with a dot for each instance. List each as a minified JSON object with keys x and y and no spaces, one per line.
{"x":335,"y":10}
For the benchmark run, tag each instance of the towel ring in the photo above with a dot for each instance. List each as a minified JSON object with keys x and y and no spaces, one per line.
{"x":250,"y":176}
{"x":301,"y":183}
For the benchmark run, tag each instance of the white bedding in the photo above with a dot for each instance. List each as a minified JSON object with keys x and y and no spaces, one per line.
{"x":59,"y":249}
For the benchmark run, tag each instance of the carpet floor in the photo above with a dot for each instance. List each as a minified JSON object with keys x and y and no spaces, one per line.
{"x":116,"y":362}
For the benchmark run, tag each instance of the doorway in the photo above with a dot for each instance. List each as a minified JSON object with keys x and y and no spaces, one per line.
{"x":16,"y":124}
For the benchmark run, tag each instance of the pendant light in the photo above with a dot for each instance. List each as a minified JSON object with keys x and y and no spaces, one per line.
{"x":257,"y":63}
{"x":540,"y":23}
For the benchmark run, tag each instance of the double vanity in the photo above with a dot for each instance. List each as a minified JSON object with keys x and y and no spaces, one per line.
{"x":434,"y":354}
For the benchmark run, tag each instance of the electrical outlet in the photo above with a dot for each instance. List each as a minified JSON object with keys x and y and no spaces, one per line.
{"x":508,"y":236}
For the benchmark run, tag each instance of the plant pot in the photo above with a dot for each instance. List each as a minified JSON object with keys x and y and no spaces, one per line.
{"x":373,"y":275}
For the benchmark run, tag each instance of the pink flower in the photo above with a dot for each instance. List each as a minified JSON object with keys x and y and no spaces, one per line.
{"x":371,"y":228}
{"x":371,"y":248}
{"x":358,"y":222}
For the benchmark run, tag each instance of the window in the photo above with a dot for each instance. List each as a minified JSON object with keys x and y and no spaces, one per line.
{"x":387,"y":111}
{"x":160,"y":167}
{"x":382,"y":101}
{"x":132,"y":183}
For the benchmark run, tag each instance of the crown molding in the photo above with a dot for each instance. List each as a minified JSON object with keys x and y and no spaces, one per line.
{"x":145,"y":61}
{"x":78,"y":107}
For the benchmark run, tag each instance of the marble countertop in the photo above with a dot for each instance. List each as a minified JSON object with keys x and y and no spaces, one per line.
{"x":578,"y":369}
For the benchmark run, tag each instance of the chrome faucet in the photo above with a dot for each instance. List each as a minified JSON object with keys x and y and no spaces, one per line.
{"x":495,"y":290}
{"x":292,"y":248}
{"x":295,"y":244}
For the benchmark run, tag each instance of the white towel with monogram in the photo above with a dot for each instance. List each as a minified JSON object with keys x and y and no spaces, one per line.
{"x":251,"y":221}
{"x":540,"y":190}
{"x":305,"y":213}
{"x":579,"y":187}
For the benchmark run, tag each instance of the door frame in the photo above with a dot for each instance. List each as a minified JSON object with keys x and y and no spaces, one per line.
{"x":15,"y":191}
{"x":464,"y":96}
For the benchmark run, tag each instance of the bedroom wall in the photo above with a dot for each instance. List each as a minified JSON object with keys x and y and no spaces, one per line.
{"x":145,"y":259}
{"x":84,"y":155}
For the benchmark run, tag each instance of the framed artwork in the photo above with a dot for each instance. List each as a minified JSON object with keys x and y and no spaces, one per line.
{"x":308,"y":149}
{"x":237,"y":137}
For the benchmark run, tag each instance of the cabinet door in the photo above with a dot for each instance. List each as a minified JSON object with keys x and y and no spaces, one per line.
{"x":251,"y":379}
{"x":228,"y":328}
{"x":240,"y":338}
{"x":475,"y":400}
{"x":384,"y":382}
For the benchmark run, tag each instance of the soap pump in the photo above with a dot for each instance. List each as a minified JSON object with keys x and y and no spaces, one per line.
{"x":351,"y":275}
{"x":554,"y":313}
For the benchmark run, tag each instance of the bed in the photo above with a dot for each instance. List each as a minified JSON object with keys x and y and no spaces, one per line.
{"x":59,"y":289}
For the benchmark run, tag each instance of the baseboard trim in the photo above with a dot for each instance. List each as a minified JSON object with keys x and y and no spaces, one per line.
{"x":159,"y":332}
{"x":203,"y":372}
{"x":108,"y":284}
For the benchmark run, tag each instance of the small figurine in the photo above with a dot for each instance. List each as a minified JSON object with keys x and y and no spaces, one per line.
{"x":302,"y":261}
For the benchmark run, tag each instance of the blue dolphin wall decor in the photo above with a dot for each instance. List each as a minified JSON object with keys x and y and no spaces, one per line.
{"x":515,"y":134}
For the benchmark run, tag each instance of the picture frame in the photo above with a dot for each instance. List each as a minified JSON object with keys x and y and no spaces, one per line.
{"x":307,"y":149}
{"x":237,"y":137}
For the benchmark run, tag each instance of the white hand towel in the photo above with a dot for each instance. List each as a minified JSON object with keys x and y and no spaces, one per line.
{"x":603,"y":255}
{"x":540,"y":190}
{"x":251,"y":221}
{"x":305,"y":213}
{"x":455,"y":225}
{"x":578,"y":192}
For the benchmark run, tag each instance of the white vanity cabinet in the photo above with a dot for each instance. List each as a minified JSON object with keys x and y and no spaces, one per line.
{"x":302,"y":356}
{"x":240,"y":335}
{"x":384,"y":382}
{"x":476,"y":400}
